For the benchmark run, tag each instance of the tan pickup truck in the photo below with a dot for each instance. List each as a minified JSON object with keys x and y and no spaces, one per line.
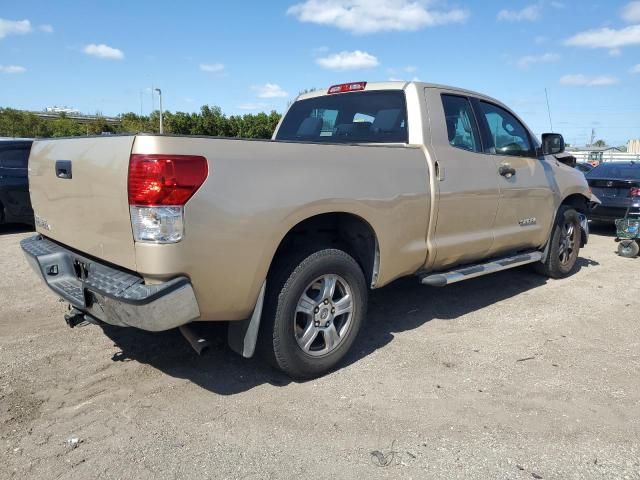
{"x":361,"y":184}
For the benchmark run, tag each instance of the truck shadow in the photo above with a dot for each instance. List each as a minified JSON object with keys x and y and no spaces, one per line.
{"x":403,"y":305}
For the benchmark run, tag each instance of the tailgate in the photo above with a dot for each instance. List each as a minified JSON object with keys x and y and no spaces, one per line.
{"x":89,"y":211}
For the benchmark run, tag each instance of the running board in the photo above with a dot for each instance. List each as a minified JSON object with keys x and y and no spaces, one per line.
{"x":472,"y":271}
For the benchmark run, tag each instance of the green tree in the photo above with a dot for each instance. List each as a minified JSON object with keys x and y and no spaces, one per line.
{"x":66,"y":127}
{"x":600,"y":143}
{"x":210,"y":121}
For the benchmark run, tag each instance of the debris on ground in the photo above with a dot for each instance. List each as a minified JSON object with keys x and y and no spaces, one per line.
{"x":381,"y":459}
{"x":73,"y":442}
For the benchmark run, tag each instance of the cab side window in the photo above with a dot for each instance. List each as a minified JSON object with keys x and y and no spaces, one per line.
{"x":508,"y":135}
{"x":462,"y":130}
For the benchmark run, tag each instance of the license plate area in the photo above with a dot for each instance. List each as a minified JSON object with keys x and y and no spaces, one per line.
{"x":66,"y":276}
{"x":606,"y":192}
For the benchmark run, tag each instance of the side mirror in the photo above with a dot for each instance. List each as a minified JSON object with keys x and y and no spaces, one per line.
{"x":552,"y":143}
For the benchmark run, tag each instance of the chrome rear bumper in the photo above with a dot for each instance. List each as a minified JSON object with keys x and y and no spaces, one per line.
{"x":110,"y":294}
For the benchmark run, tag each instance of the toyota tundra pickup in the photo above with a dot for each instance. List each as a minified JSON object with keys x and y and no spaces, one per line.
{"x":361,"y":184}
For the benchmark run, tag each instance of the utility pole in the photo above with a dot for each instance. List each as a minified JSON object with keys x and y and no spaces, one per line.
{"x":548,"y":109}
{"x":593,"y":136}
{"x":160,"y":97}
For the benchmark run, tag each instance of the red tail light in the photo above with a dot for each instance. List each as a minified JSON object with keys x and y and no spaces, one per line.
{"x":156,"y":180}
{"x":634,"y":192}
{"x":347,"y":87}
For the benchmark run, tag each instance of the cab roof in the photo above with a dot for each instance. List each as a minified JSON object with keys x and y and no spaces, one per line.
{"x":398,"y":85}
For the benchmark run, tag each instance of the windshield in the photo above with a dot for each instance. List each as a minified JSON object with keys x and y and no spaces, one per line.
{"x":363,"y":117}
{"x":629,"y":171}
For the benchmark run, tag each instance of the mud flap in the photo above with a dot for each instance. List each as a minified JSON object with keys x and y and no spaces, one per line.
{"x":242,"y":336}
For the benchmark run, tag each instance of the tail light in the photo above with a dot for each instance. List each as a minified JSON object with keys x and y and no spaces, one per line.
{"x":634,"y":192}
{"x":159,"y":186}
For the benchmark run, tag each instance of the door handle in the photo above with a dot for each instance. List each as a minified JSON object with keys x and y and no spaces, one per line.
{"x":439,"y":171}
{"x":506,"y":170}
{"x":63,"y":169}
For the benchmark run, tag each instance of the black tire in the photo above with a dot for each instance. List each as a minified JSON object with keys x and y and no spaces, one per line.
{"x":281,"y":323}
{"x":560,"y":263}
{"x":628,"y":248}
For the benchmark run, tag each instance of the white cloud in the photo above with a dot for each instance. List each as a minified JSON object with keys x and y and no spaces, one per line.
{"x":588,"y":81}
{"x":14,"y":27}
{"x":410,"y":69}
{"x":348,"y":61}
{"x":269,"y":90}
{"x":253,"y":106}
{"x":103,"y":51}
{"x":528,"y":60}
{"x":606,"y":38}
{"x":636,"y":69}
{"x":370,"y":16}
{"x":212,"y":67}
{"x":557,"y":5}
{"x":45,"y":28}
{"x":12,"y":69}
{"x":631,"y":12}
{"x":530,"y":13}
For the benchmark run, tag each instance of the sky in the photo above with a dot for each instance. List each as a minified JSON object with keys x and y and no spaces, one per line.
{"x":249,"y":56}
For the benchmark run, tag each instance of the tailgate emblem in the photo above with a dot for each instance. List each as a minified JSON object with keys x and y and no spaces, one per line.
{"x":41,"y":222}
{"x":609,"y":184}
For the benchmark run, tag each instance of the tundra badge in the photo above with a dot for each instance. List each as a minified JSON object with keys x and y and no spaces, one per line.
{"x":41,"y":222}
{"x":524,"y":222}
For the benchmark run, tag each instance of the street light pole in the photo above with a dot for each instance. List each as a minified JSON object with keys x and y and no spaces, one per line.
{"x":160,"y":96}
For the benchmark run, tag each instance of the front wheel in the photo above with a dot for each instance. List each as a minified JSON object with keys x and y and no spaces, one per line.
{"x":314,"y":307}
{"x":564,"y":245}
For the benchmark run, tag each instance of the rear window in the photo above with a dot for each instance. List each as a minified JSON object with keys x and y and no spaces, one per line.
{"x":363,"y":117}
{"x":14,"y":158}
{"x":629,"y":171}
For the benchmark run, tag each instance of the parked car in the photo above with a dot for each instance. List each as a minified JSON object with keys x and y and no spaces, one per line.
{"x":584,"y":167}
{"x":15,"y":205}
{"x":361,"y":184}
{"x":617,"y":185}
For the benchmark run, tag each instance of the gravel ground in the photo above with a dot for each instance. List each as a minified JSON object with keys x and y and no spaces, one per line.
{"x":510,"y":376}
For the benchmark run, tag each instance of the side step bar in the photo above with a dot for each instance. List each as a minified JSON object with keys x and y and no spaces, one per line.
{"x":472,"y":271}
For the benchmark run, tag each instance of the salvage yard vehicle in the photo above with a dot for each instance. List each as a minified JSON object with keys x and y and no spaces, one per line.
{"x":15,"y":206}
{"x":617,"y":185}
{"x":361,"y":184}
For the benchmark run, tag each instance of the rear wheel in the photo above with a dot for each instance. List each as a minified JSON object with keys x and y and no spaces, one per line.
{"x":564,"y":245}
{"x":314,"y":307}
{"x":628,"y":248}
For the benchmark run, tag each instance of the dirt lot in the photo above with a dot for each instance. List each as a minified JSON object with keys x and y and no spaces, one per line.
{"x":510,"y":376}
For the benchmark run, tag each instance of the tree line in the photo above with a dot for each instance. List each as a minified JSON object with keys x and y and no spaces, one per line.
{"x":208,"y":121}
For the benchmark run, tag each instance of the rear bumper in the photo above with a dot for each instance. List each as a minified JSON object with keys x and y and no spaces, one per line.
{"x":109,"y":294}
{"x":611,"y":213}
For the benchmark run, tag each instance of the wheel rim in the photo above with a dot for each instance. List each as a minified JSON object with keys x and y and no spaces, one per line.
{"x":323,"y":315}
{"x":567,"y":243}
